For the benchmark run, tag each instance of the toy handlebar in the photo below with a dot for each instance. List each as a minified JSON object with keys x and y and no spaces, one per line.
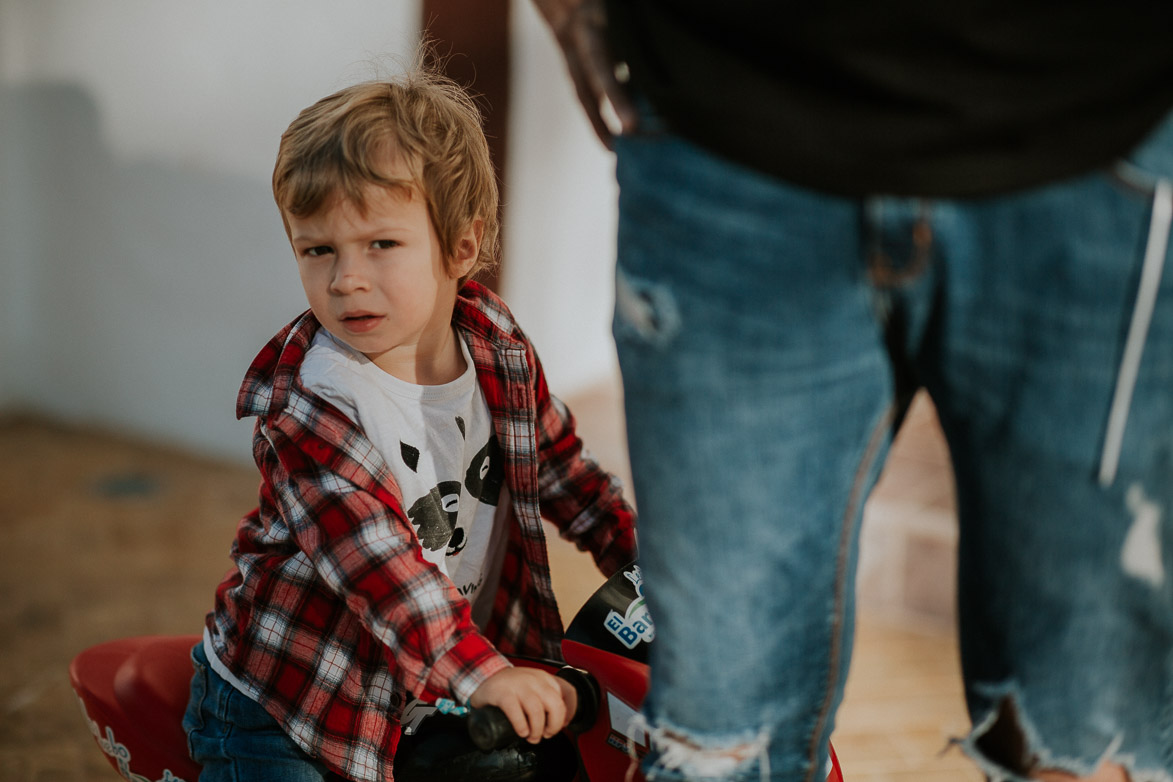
{"x":490,"y":729}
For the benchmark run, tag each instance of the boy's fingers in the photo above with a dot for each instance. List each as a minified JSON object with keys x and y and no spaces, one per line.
{"x":555,"y":716}
{"x":534,"y":702}
{"x":547,"y":709}
{"x":569,"y":701}
{"x":518,"y":718}
{"x":536,"y":713}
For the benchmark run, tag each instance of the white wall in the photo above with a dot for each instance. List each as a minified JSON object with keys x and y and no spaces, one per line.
{"x":143,"y":263}
{"x":561,"y":216}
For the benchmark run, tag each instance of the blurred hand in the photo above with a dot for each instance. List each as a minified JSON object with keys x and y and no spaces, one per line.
{"x":578,"y":26}
{"x":538,"y":705}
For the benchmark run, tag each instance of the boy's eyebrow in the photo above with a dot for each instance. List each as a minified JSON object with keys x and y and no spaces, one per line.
{"x":391,"y":225}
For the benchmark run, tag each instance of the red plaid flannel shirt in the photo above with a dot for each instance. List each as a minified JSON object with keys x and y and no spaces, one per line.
{"x":331,"y":616}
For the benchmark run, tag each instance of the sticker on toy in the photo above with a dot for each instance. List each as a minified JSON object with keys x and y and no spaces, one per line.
{"x":118,"y":751}
{"x":635,"y":625}
{"x":627,"y":732}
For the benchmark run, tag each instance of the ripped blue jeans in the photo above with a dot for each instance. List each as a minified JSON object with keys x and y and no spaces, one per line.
{"x":770,"y":338}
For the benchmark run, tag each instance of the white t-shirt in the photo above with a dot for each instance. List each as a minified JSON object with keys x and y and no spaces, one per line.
{"x":440,"y":446}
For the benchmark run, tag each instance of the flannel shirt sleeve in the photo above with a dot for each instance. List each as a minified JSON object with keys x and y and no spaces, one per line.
{"x":368,"y":555}
{"x":580,"y":498}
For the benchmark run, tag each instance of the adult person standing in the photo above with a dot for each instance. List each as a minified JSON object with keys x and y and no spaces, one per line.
{"x":824,"y":207}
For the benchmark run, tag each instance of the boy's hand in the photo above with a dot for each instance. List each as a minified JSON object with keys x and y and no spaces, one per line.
{"x":537,"y":704}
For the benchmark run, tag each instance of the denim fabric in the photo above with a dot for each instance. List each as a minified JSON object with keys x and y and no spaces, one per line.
{"x":235,"y":740}
{"x":770,"y":338}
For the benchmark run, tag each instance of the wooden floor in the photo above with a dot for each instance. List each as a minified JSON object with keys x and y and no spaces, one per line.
{"x":105,"y":537}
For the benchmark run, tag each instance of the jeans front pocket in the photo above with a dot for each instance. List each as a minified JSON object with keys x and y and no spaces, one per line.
{"x":193,"y":717}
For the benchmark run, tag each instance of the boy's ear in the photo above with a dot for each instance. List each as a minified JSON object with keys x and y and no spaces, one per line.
{"x":468,"y":248}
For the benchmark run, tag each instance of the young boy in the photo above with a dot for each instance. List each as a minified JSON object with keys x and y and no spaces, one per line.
{"x":407,"y":442}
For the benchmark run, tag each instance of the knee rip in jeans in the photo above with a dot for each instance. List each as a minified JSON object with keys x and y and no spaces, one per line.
{"x":648,"y":310}
{"x":705,"y":758}
{"x":1141,"y":555}
{"x":1007,"y":748}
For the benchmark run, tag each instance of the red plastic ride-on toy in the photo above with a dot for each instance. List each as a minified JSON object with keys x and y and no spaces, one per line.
{"x":134,"y":691}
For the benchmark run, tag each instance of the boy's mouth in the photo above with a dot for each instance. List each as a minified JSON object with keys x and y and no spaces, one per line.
{"x":360,"y":321}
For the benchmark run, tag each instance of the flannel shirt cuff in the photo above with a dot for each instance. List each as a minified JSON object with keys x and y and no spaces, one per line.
{"x":465,"y":667}
{"x":613,"y":545}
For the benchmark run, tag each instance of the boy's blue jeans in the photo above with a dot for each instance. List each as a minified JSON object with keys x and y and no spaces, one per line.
{"x":770,"y":336}
{"x":236,"y":740}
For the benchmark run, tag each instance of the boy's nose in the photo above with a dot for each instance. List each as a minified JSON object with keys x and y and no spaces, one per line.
{"x":348,"y":275}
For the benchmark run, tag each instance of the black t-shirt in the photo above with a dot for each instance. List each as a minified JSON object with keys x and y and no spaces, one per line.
{"x":904,"y":97}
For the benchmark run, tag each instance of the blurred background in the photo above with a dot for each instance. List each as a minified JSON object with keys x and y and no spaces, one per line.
{"x":143,"y":264}
{"x":143,"y":260}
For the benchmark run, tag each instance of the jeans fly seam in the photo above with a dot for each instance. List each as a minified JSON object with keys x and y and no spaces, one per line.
{"x":886,"y":275}
{"x":849,"y":514}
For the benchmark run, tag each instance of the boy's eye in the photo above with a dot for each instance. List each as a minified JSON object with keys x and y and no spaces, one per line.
{"x":318,"y":251}
{"x":384,"y":244}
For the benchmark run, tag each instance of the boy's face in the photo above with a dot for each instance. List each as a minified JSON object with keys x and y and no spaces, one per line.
{"x":378,"y":282}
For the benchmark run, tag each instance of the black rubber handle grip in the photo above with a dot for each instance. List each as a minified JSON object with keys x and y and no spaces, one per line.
{"x":490,"y":729}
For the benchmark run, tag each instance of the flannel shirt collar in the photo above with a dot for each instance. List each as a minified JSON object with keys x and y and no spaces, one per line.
{"x":273,"y":393}
{"x":482,"y":313}
{"x":273,"y":376}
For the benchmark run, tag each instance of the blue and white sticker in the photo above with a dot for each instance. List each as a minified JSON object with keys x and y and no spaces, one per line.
{"x":636,"y":624}
{"x":417,"y":711}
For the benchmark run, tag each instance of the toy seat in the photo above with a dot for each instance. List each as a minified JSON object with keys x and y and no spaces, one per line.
{"x":133,"y":693}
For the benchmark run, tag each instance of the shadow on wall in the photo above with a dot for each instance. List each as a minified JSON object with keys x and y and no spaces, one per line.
{"x":136,"y":292}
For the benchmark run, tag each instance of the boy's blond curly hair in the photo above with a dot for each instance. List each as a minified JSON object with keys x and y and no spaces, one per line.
{"x":422,"y":119}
